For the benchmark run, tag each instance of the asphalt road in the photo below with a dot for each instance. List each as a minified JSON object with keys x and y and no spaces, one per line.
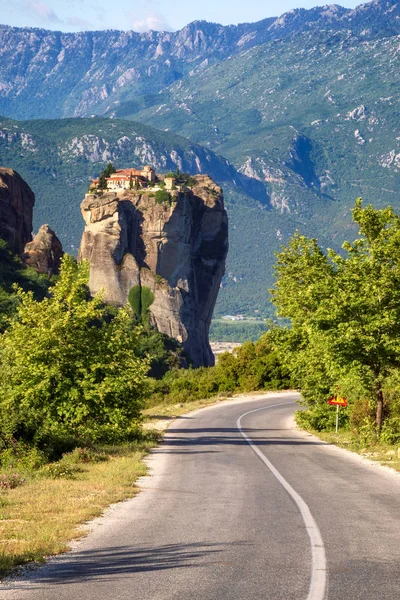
{"x":283,"y":517}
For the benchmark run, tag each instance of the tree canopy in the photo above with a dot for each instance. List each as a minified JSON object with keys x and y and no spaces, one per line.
{"x":68,"y":368}
{"x":344,"y":310}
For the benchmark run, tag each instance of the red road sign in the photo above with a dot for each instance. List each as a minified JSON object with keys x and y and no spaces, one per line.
{"x":338,"y":401}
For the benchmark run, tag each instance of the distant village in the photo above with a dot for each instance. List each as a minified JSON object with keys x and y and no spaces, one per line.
{"x":233,"y":317}
{"x":134,"y":179}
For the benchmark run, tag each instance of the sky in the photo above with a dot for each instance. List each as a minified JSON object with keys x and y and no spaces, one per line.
{"x":141,"y":15}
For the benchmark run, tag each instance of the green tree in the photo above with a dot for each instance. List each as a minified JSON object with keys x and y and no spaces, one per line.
{"x":162,"y":197}
{"x":109,"y":170}
{"x":344,"y":310}
{"x":102,"y":185}
{"x":13,"y":271}
{"x":67,"y":368}
{"x":140,"y":299}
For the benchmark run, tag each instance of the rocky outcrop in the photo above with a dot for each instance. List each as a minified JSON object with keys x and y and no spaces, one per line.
{"x":16,"y":208}
{"x":44,"y":252}
{"x":49,"y":74}
{"x":176,"y":248}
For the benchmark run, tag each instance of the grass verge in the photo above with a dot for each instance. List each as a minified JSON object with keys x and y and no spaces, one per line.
{"x":157,"y":416}
{"x":42,"y":516}
{"x":385,"y":454}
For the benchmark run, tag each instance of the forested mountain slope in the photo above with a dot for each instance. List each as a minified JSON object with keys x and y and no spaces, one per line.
{"x":303,"y":108}
{"x":315,"y":120}
{"x":53,"y":74}
{"x":59,"y":157}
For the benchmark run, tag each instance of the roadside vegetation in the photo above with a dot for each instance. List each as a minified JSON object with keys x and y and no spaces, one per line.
{"x":344,"y":334}
{"x":39,"y":517}
{"x":252,"y":366}
{"x":75,"y":377}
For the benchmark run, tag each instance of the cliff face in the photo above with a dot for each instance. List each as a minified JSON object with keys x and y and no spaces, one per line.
{"x":176,"y":249}
{"x":16,"y":207}
{"x":44,"y":252}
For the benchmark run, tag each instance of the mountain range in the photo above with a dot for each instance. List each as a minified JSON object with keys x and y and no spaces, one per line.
{"x":294,"y":116}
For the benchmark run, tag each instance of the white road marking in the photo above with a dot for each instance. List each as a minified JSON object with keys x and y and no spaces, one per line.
{"x":318,"y":559}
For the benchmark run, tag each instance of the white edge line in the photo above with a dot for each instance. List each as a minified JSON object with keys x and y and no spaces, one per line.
{"x":318,"y":559}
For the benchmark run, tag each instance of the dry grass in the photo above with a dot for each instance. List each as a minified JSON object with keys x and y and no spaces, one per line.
{"x":42,"y":516}
{"x":168,"y":412}
{"x":39,"y":518}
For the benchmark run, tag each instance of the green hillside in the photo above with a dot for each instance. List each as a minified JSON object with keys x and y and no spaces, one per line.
{"x":295,"y":117}
{"x":314,"y":120}
{"x":59,"y":157}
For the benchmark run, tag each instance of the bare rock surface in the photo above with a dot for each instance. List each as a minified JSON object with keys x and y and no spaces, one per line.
{"x":16,"y":208}
{"x":177,"y":249}
{"x":44,"y":252}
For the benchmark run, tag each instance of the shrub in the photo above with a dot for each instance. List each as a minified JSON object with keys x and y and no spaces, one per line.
{"x":186,"y":179}
{"x":321,"y":417}
{"x":162,"y":197}
{"x":85,"y":456}
{"x":390,"y":433}
{"x":20,"y":455}
{"x":135,"y":300}
{"x":9,"y":482}
{"x":59,"y":470}
{"x":141,"y":298}
{"x":68,"y":369}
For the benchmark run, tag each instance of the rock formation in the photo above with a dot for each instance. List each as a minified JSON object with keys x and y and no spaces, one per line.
{"x":16,"y":207}
{"x":44,"y":252}
{"x":176,"y":248}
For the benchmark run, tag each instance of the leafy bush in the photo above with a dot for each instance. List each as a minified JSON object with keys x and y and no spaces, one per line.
{"x":59,"y":470}
{"x":390,"y":433}
{"x":186,"y":179}
{"x":249,"y":367}
{"x":66,"y":371}
{"x":10,"y":482}
{"x":135,"y":300}
{"x":321,"y":417}
{"x":165,"y":353}
{"x":19,"y":455}
{"x":141,"y":298}
{"x":12,"y":271}
{"x":162,"y":197}
{"x":85,"y":456}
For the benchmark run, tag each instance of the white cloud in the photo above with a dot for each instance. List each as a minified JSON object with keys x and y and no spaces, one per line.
{"x":153,"y":21}
{"x":42,"y":10}
{"x":77,"y":22}
{"x":44,"y":14}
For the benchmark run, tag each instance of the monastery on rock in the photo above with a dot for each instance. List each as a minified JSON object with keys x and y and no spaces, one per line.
{"x":121,"y":179}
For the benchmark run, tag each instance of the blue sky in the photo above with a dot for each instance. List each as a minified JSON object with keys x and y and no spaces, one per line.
{"x":140,"y":15}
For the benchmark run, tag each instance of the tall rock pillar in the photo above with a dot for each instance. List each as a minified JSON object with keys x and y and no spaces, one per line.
{"x":176,"y":248}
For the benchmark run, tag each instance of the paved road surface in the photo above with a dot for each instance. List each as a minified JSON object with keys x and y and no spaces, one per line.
{"x":217,"y":521}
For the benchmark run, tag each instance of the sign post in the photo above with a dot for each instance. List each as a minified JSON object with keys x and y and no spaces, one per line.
{"x":337,"y":401}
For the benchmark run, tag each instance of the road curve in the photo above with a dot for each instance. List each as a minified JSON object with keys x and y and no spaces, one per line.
{"x":238,"y":506}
